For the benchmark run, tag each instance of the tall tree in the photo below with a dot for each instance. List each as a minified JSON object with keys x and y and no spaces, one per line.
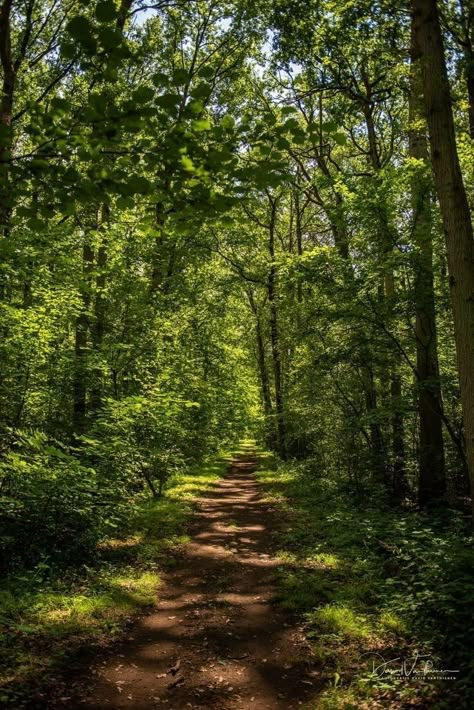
{"x":432,"y":481}
{"x":429,"y":51}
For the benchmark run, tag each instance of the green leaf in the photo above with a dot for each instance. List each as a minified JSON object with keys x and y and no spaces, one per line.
{"x":36,"y":225}
{"x":180,"y":77}
{"x":227,"y":122}
{"x":80,"y":28}
{"x":201,"y":124}
{"x":124,"y":203}
{"x":143,"y":94}
{"x":329,"y":126}
{"x":195,"y":107}
{"x":160,"y":79}
{"x":168,"y":100}
{"x":201,"y":91}
{"x":283,"y":143}
{"x":109,"y":38}
{"x":206,"y":72}
{"x":106,"y":11}
{"x":187,"y":163}
{"x":60,"y":105}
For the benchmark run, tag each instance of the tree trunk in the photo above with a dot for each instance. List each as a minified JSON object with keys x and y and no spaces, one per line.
{"x":98,"y":329}
{"x":398,"y":483}
{"x":81,"y":343}
{"x":6,"y":115}
{"x":262,"y":364}
{"x":467,"y":19}
{"x":429,"y":50}
{"x":275,"y":336}
{"x":263,"y":373}
{"x":432,"y":478}
{"x":299,"y":241}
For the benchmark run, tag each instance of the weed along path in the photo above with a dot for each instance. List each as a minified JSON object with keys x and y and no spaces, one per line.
{"x":215,"y":639}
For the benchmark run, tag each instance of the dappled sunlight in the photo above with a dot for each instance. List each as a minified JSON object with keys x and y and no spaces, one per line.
{"x":216,"y":606}
{"x":93,"y":609}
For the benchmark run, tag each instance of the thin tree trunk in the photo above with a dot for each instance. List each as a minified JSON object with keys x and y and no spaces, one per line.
{"x":467,"y":18}
{"x":299,"y":240}
{"x":275,"y":335}
{"x":398,"y":483}
{"x":263,"y":373}
{"x":81,"y":343}
{"x":429,"y":50}
{"x":432,"y":478}
{"x":98,"y":329}
{"x":6,"y":115}
{"x":262,"y":364}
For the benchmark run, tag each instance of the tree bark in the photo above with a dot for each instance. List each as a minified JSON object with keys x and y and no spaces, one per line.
{"x":263,"y":372}
{"x":467,"y":19}
{"x":398,"y":483}
{"x":429,"y":50}
{"x":432,"y":478}
{"x":6,"y":114}
{"x":275,"y":335}
{"x":81,"y":344}
{"x":98,"y":326}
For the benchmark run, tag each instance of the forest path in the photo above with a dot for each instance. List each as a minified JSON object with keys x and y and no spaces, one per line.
{"x":215,"y":627}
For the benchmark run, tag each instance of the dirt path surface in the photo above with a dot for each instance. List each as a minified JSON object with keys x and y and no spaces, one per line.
{"x":215,"y":640}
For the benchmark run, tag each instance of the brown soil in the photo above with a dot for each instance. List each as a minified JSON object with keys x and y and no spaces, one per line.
{"x":215,"y":639}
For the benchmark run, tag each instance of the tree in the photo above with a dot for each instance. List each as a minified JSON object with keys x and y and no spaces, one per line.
{"x":429,"y":51}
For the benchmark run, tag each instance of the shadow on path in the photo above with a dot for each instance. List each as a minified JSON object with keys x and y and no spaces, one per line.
{"x":214,"y":626}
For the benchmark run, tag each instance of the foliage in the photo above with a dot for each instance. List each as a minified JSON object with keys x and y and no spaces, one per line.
{"x":368,"y":578}
{"x":48,"y":619}
{"x":220,"y":220}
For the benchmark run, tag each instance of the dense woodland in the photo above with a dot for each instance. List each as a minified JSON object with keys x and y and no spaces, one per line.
{"x":227,"y":219}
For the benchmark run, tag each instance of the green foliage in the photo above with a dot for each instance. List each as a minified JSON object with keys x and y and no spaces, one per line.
{"x":47,"y":619}
{"x":367,"y":577}
{"x":140,"y":439}
{"x":209,"y":227}
{"x":46,"y":489}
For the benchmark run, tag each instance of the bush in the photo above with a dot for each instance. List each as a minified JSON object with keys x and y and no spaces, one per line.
{"x":51,"y":504}
{"x":139,"y":441}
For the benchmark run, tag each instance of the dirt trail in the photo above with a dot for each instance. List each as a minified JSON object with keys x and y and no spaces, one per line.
{"x":215,"y":627}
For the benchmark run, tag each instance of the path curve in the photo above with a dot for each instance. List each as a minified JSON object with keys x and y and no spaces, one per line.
{"x":216,"y":640}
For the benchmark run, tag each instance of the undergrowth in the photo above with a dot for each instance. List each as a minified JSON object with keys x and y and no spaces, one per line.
{"x":369,"y":579}
{"x":49,"y":614}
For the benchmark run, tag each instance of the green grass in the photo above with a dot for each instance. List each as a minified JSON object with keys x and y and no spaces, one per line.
{"x":48,"y":616}
{"x":369,"y":578}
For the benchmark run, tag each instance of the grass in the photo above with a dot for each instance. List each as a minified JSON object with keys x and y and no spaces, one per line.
{"x":48,"y":617}
{"x":367,"y":578}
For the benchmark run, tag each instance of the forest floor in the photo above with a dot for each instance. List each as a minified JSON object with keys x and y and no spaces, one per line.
{"x":215,"y":640}
{"x":252,"y":584}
